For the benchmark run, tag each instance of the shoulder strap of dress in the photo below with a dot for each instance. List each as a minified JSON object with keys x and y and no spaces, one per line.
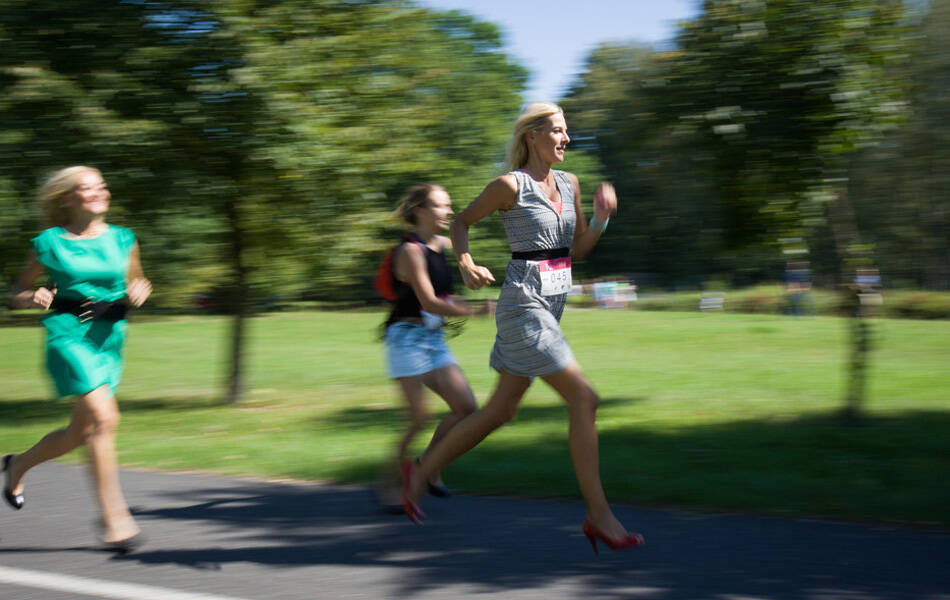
{"x":519,"y":178}
{"x":568,"y":184}
{"x":562,"y":175}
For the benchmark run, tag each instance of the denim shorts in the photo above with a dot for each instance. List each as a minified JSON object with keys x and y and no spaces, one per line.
{"x":412,"y":349}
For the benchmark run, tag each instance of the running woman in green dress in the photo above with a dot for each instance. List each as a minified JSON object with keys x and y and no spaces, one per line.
{"x":95,"y":275}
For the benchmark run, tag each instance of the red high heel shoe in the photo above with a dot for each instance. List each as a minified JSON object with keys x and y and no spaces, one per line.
{"x":593,"y":534}
{"x":412,"y":509}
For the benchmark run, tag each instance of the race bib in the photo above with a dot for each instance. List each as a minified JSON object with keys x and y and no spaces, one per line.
{"x":555,"y":276}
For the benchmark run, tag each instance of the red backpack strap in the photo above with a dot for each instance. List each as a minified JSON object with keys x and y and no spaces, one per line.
{"x":385,"y":280}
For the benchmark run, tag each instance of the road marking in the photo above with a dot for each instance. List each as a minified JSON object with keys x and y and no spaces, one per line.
{"x":97,"y":588}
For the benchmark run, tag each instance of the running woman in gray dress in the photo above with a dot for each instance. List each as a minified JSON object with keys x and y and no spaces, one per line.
{"x":541,"y":211}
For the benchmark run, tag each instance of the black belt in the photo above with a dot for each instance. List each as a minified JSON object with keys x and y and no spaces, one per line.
{"x":90,"y":309}
{"x":541,"y":254}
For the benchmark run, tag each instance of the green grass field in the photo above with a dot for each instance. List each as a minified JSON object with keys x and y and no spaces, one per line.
{"x":699,"y":411}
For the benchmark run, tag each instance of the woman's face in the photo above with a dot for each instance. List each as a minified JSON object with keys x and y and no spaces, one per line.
{"x":550,"y":140}
{"x":90,"y":195}
{"x":436,"y":211}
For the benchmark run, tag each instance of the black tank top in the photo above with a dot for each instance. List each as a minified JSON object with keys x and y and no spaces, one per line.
{"x":407,"y":305}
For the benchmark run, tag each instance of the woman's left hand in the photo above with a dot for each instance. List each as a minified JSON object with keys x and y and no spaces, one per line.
{"x":138,"y":291}
{"x":605,"y":201}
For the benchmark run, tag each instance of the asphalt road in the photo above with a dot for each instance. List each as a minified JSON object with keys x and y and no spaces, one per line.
{"x":216,"y":538}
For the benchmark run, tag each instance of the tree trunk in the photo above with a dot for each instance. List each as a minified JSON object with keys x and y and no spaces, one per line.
{"x":238,"y":303}
{"x":852,"y":256}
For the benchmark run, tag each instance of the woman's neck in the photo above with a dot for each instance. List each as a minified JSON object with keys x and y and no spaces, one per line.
{"x":424,"y":234}
{"x":91,"y":226}
{"x":537,"y":168}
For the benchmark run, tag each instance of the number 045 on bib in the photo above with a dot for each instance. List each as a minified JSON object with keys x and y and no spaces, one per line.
{"x":555,"y":276}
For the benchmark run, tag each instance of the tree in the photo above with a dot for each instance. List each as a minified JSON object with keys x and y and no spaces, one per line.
{"x":781,"y":94}
{"x":326,"y":108}
{"x":666,"y":229}
{"x":275,"y":133}
{"x":900,"y":188}
{"x":64,"y":100}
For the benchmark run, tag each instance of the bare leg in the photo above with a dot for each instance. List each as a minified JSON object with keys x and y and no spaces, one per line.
{"x":450,"y":384}
{"x":412,"y":390}
{"x":52,"y":445}
{"x":95,"y":417}
{"x":582,"y":403}
{"x":500,"y":408}
{"x":414,"y":393}
{"x":100,"y":440}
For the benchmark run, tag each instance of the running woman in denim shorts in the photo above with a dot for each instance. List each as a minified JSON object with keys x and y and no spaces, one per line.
{"x":417,"y":356}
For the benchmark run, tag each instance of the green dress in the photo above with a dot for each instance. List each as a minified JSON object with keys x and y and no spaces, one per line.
{"x":84,"y":356}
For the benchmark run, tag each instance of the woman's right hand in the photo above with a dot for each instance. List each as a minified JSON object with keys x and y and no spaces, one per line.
{"x":42,"y":298}
{"x":476,"y":277}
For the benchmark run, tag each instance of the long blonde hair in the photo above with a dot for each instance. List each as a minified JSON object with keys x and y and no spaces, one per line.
{"x":532,"y":117}
{"x":56,"y":186}
{"x":416,"y":196}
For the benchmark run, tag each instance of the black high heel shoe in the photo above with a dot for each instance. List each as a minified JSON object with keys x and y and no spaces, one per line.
{"x":15,"y":500}
{"x":439,"y":491}
{"x":129,"y":544}
{"x":387,"y":505}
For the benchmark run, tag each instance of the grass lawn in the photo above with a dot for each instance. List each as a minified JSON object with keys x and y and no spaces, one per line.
{"x":699,"y":411}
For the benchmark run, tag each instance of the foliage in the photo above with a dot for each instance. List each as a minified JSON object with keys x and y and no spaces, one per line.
{"x":901,"y":189}
{"x":776,"y":94}
{"x":307,"y":119}
{"x":257,"y":148}
{"x":727,"y":148}
{"x":765,"y":103}
{"x":772,"y":299}
{"x":276,"y":135}
{"x":664,"y":225}
{"x":913,"y":304}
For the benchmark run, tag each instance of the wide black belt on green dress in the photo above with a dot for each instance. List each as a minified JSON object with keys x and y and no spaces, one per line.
{"x":88,"y":309}
{"x":541,"y":254}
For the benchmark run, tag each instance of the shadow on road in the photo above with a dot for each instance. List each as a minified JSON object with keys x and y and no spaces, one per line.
{"x":498,"y":544}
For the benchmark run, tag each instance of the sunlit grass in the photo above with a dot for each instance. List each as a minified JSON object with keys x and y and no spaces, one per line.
{"x":708,"y":411}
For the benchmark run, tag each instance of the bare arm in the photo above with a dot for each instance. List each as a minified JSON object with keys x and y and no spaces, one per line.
{"x":24,"y":296}
{"x":137,"y":287}
{"x":500,"y":194}
{"x":410,"y":267}
{"x":605,"y":204}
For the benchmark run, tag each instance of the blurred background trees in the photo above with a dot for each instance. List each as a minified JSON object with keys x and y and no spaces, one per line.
{"x":261,"y":146}
{"x":730,"y":146}
{"x":257,"y":148}
{"x":288,"y":129}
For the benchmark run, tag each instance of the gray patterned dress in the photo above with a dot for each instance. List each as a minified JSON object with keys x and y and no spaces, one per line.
{"x":529,"y":341}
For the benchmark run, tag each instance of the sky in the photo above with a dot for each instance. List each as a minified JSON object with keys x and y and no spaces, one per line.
{"x":551,"y":38}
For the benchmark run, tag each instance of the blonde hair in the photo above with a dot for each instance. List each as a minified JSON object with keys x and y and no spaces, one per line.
{"x":532,"y":117}
{"x":416,"y":196}
{"x":56,"y":186}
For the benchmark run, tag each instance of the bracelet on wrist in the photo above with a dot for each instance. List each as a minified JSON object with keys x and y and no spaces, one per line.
{"x":599,"y":225}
